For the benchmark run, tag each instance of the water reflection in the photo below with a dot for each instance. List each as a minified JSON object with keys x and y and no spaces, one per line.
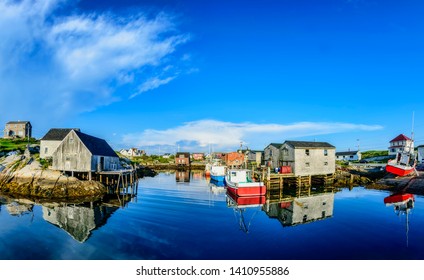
{"x":182,"y":176}
{"x":78,"y":219}
{"x":402,"y":203}
{"x":240,"y":205}
{"x":301,"y":210}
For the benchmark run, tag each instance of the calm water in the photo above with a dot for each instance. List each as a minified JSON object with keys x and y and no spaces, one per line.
{"x":182,"y":216}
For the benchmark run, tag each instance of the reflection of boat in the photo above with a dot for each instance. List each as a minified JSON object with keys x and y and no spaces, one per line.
{"x":398,"y":198}
{"x":218,"y":172}
{"x":246,"y":201}
{"x":240,"y":204}
{"x":403,"y":204}
{"x":241,"y":183}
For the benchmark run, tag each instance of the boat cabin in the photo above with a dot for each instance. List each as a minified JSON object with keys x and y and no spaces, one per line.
{"x":240,"y":176}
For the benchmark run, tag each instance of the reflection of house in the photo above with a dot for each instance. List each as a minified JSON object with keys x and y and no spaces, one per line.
{"x":272,"y":155}
{"x":303,"y":210}
{"x":308,"y":158}
{"x":76,"y":220}
{"x":234,"y":159}
{"x":182,"y":176}
{"x":84,"y":153}
{"x":401,"y":143}
{"x":182,"y":159}
{"x":18,"y":129}
{"x":52,"y":140}
{"x":348,"y":156}
{"x":420,"y":150}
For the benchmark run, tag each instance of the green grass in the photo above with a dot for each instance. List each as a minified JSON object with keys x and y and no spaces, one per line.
{"x":370,"y":154}
{"x":7,"y":145}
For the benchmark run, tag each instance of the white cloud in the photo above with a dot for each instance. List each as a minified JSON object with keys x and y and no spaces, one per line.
{"x":227,"y":135}
{"x":77,"y":63}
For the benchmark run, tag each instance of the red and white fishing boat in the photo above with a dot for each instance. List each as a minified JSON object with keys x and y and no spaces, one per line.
{"x":241,"y":183}
{"x":402,"y":165}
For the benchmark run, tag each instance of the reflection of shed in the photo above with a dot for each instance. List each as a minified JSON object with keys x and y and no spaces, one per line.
{"x":182,"y":176}
{"x":303,"y":210}
{"x":84,"y":153}
{"x":78,"y":221}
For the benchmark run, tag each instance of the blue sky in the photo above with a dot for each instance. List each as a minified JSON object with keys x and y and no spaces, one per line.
{"x":206,"y":75}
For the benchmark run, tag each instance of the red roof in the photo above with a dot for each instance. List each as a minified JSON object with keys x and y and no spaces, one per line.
{"x":400,"y":137}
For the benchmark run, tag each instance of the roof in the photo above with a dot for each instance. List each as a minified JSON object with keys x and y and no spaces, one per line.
{"x":400,"y":137}
{"x":348,"y":153}
{"x":307,"y":144}
{"x":420,"y":146}
{"x":57,"y":134}
{"x":18,"y":122}
{"x":277,"y":145}
{"x":96,"y":146}
{"x":183,"y":153}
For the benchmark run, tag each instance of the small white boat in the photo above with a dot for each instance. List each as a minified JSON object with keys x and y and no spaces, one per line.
{"x":218,"y":172}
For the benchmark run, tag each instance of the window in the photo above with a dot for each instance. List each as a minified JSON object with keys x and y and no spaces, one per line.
{"x":285,"y":152}
{"x":71,"y":140}
{"x":307,"y":152}
{"x":307,"y":164}
{"x":46,"y":150}
{"x":325,"y":163}
{"x":351,"y":157}
{"x":325,"y":152}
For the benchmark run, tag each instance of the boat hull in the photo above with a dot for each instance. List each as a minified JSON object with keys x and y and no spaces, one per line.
{"x":218,"y":178}
{"x":399,"y":170}
{"x":247,"y":189}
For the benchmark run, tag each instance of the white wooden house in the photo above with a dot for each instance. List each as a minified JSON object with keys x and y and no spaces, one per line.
{"x":401,"y":143}
{"x":308,"y":158}
{"x":348,"y":156}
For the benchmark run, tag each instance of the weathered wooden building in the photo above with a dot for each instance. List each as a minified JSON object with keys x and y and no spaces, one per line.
{"x":52,"y":140}
{"x":308,"y":158}
{"x":182,"y":159}
{"x":80,"y":152}
{"x":272,"y":155}
{"x":18,"y":129}
{"x":348,"y":156}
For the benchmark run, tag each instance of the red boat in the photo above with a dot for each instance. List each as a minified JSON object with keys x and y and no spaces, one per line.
{"x":240,"y":183}
{"x":399,"y":170}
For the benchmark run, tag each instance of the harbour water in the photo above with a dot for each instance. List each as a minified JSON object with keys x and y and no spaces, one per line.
{"x":182,"y":216}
